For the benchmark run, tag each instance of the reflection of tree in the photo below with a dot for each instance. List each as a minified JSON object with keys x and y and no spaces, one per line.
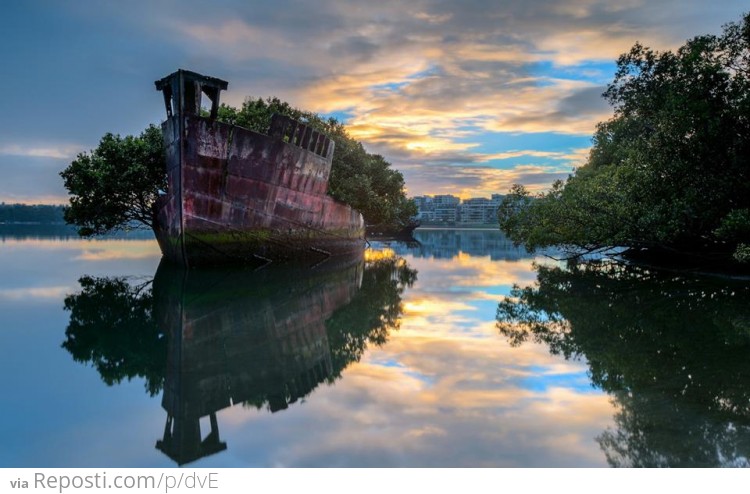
{"x":213,"y":338}
{"x":112,"y":327}
{"x":372,"y":313}
{"x":671,"y":350}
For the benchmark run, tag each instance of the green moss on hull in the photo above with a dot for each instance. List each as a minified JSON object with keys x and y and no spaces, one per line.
{"x":260,"y":246}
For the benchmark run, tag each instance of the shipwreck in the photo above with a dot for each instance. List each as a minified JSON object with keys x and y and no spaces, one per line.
{"x":235,"y":195}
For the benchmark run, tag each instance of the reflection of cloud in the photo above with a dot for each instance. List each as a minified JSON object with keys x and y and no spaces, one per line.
{"x":445,"y":390}
{"x":123,"y":250}
{"x":90,"y":249}
{"x":73,"y":252}
{"x":433,"y":306}
{"x":10,"y":244}
{"x":448,"y":402}
{"x":474,"y":273}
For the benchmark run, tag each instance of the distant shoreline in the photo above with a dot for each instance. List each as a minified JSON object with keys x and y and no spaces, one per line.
{"x":459,"y":227}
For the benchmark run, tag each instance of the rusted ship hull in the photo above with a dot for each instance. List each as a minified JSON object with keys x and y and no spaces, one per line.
{"x":235,"y":195}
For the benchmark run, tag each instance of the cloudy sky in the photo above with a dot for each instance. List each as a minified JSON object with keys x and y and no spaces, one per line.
{"x":463,"y":97}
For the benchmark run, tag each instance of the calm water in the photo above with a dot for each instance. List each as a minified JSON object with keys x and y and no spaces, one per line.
{"x":420,"y":354}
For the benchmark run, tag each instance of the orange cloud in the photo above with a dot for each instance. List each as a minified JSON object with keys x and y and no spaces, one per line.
{"x":427,"y":83}
{"x":90,"y":249}
{"x":478,"y":181}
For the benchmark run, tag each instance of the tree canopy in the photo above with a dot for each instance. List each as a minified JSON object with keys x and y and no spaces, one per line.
{"x":114,"y":186}
{"x":670,"y":170}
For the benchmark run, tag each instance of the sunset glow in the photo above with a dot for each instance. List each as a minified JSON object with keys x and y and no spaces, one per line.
{"x":463,"y":98}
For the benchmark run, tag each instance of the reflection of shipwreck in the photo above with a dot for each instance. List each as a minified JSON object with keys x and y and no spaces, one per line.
{"x":210,"y":339}
{"x":251,"y":338}
{"x":237,"y":195}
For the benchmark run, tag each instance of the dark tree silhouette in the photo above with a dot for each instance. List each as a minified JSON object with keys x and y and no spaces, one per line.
{"x":670,"y":172}
{"x":112,"y":327}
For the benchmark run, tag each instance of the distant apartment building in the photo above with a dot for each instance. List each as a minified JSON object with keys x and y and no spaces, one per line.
{"x":425,"y":209}
{"x":448,"y":209}
{"x":480,"y":210}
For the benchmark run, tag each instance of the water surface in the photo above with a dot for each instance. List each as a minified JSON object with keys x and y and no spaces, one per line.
{"x":417,"y":354}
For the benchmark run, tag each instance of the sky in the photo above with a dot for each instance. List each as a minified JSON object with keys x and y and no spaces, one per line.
{"x":462,"y":97}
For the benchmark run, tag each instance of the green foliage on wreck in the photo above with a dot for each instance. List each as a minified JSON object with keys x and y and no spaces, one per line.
{"x":363,"y":180}
{"x":115,"y":186}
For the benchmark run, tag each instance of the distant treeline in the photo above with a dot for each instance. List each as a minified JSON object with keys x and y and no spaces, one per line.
{"x":31,"y":214}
